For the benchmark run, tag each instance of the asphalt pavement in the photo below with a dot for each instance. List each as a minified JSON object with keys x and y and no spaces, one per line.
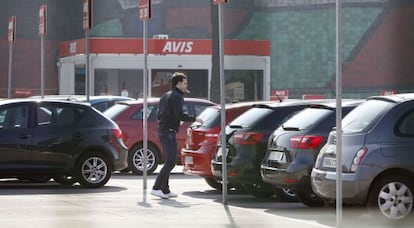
{"x":123,"y":202}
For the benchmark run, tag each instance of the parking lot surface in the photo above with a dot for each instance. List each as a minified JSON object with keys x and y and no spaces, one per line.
{"x":124,"y":203}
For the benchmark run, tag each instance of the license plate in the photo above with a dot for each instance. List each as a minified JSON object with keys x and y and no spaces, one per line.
{"x":329,"y":162}
{"x":188,"y":160}
{"x":277,"y":156}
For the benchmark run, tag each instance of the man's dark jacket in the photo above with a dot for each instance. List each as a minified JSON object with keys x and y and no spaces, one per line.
{"x":170,"y":111}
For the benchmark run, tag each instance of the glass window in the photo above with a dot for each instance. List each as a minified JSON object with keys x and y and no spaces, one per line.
{"x":251,"y":116}
{"x":210,"y":117}
{"x":362,"y":118}
{"x":306,"y":118}
{"x":140,"y":113}
{"x":14,"y":117}
{"x":115,"y":110}
{"x":58,"y":115}
{"x":199,"y":108}
{"x":406,"y":125}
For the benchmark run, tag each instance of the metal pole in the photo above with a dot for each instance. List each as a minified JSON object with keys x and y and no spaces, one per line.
{"x":9,"y":83}
{"x":42,"y":66}
{"x":87,"y":92}
{"x":223,"y":106}
{"x":145,"y":93}
{"x":338,"y":115}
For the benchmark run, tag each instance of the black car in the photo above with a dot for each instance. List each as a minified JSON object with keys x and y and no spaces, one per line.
{"x":69,"y":142}
{"x":293,"y":147}
{"x":246,"y":145}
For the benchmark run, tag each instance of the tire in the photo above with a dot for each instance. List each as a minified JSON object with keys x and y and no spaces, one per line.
{"x":93,"y":170}
{"x":392,"y":196}
{"x":214,"y":183}
{"x":260,"y":190}
{"x":309,"y":198}
{"x":65,"y":180}
{"x":136,"y":159}
{"x":286,"y":194}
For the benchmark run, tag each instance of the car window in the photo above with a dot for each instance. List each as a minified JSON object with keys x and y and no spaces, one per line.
{"x":251,"y":117}
{"x":138,"y":115}
{"x":115,"y":110}
{"x":58,"y":115}
{"x":199,"y":108}
{"x":210,"y":117}
{"x":14,"y":117}
{"x":187,"y":109}
{"x":406,"y":125}
{"x":102,"y":106}
{"x":306,"y":118}
{"x":362,"y":118}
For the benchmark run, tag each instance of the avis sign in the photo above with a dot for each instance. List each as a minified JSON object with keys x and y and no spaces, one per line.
{"x":178,"y":47}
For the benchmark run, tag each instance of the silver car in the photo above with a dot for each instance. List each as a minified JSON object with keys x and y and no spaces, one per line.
{"x":378,"y":157}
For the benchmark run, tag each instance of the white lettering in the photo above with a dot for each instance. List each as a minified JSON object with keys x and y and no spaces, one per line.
{"x":178,"y":47}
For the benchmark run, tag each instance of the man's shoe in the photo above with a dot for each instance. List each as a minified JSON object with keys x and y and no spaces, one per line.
{"x":172,"y":195}
{"x":159,"y":193}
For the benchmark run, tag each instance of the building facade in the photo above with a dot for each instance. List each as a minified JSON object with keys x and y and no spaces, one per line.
{"x":376,"y":50}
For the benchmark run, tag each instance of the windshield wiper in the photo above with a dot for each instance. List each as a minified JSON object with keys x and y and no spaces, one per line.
{"x":290,"y":128}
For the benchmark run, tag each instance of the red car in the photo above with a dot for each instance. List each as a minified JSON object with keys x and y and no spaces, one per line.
{"x":202,"y":140}
{"x":129,"y":115}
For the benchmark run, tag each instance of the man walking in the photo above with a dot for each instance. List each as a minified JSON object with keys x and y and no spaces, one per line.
{"x":170,"y":113}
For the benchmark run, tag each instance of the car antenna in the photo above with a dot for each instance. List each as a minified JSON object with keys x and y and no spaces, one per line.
{"x":278,"y":97}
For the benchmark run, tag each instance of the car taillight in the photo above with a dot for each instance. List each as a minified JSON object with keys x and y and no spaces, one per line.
{"x":117,"y":132}
{"x":358,"y":158}
{"x":306,"y":141}
{"x":247,"y":138}
{"x":196,"y":138}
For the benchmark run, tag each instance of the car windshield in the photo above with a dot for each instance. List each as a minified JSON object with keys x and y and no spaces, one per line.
{"x":115,"y":110}
{"x":362,"y":118}
{"x":306,"y":118}
{"x":210,"y":117}
{"x":251,"y":117}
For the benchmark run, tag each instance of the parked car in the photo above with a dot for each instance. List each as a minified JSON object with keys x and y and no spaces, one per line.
{"x":377,"y":157}
{"x":129,"y":115}
{"x":246,"y":145}
{"x":99,"y":102}
{"x":292,"y":148}
{"x":69,"y":142}
{"x":201,"y":143}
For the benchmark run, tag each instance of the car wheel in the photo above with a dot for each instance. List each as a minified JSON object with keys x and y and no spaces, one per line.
{"x":309,"y":198}
{"x":213,"y":182}
{"x":286,"y":194}
{"x":93,"y":170}
{"x":65,"y":180}
{"x":260,"y":190}
{"x":136,"y":159}
{"x":392,"y":196}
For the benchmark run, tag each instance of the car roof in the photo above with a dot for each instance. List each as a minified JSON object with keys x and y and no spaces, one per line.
{"x":240,"y":104}
{"x":291,"y":102}
{"x":31,"y":100}
{"x":397,"y":98}
{"x":344,"y":103}
{"x":83,"y":98}
{"x":157,"y":99}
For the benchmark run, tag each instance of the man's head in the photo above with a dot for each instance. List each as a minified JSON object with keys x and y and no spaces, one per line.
{"x":179,"y":80}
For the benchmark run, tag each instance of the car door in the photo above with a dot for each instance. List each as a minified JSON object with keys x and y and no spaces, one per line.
{"x":15,"y":138}
{"x":57,"y":137}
